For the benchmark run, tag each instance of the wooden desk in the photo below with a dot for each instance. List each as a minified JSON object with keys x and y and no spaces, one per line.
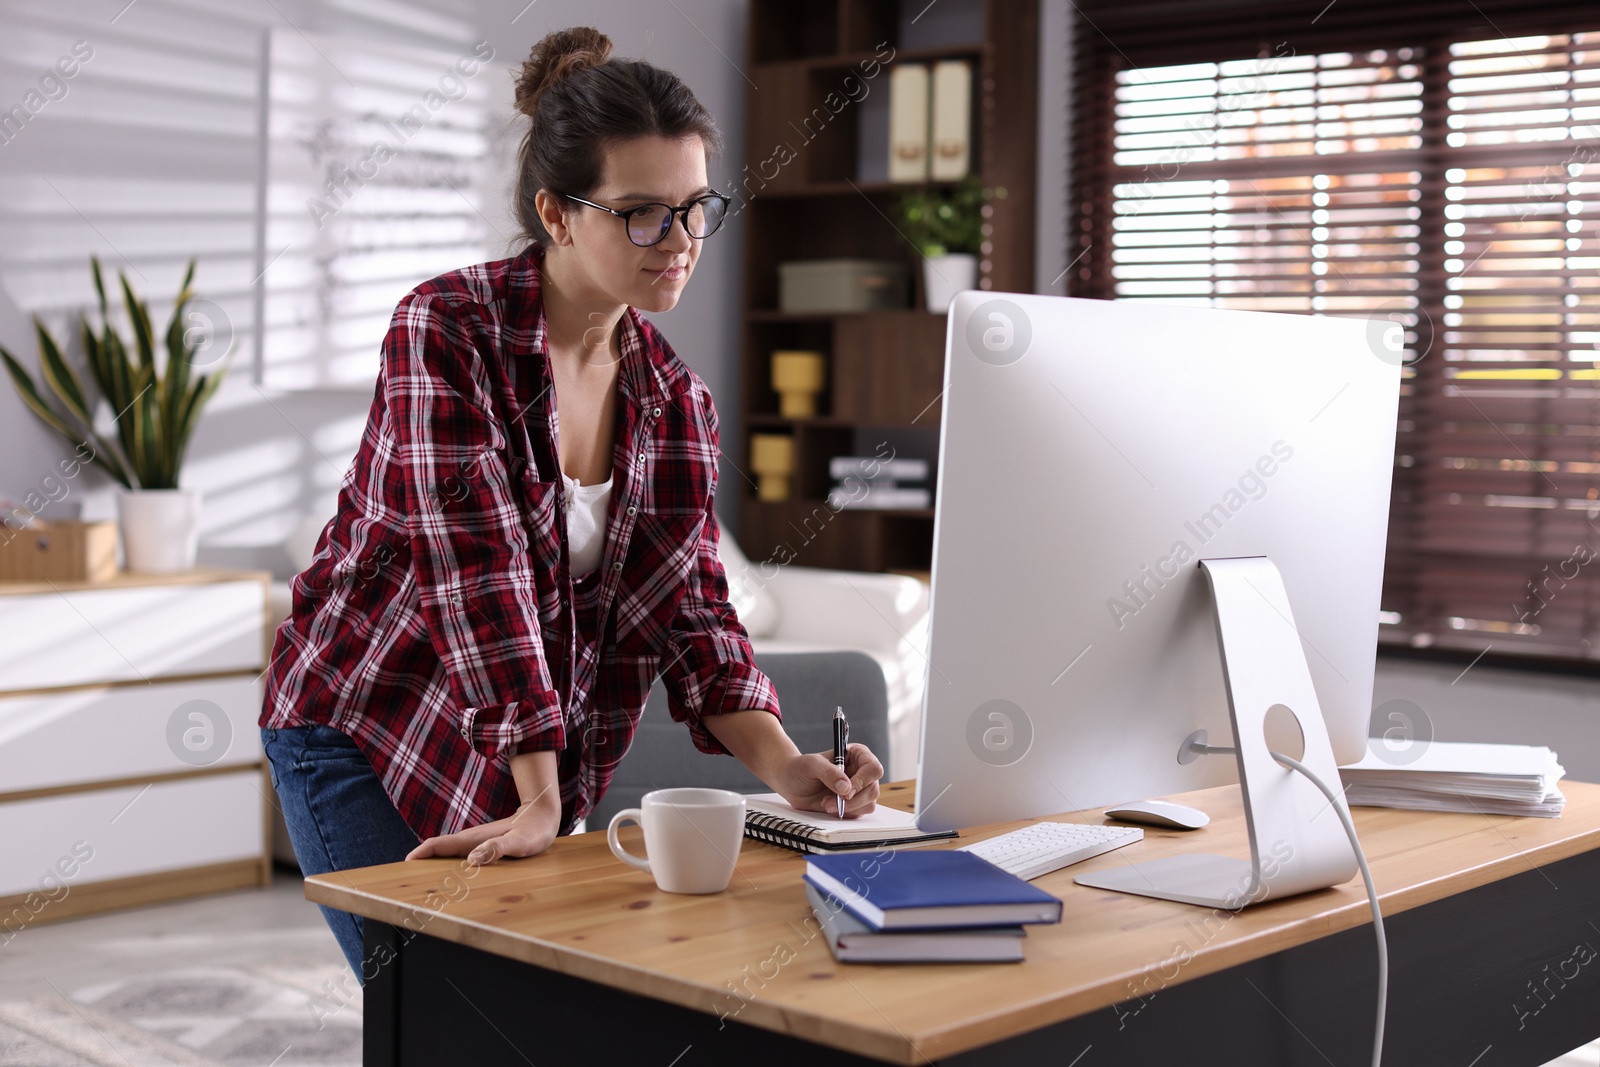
{"x":573,"y":957}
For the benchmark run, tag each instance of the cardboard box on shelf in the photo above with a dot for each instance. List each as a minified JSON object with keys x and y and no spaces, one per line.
{"x":62,"y":551}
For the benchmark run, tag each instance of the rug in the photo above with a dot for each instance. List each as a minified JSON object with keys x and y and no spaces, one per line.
{"x":270,"y":1016}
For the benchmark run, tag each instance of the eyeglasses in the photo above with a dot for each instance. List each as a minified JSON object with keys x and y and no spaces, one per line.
{"x":647,"y":224}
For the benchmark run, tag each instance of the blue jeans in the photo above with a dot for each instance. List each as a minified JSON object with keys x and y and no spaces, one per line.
{"x":338,"y":814}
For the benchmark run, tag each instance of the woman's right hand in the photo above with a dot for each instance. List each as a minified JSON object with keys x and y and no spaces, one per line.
{"x":528,"y":832}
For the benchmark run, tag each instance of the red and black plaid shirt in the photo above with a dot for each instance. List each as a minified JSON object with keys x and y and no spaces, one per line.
{"x":438,"y":623}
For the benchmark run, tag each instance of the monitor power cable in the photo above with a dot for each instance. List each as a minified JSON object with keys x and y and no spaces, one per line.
{"x":1372,"y":896}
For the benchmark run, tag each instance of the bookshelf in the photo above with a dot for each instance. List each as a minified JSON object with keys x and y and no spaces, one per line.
{"x":885,"y":368}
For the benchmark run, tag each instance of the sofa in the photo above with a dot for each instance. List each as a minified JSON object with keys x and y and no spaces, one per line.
{"x":811,"y":684}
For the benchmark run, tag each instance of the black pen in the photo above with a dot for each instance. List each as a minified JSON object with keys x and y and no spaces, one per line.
{"x":841,"y":741}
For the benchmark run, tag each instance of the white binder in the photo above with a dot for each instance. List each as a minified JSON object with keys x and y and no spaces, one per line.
{"x":951,"y":145}
{"x":908,"y":122}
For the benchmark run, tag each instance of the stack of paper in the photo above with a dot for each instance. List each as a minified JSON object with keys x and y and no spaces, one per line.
{"x":1458,"y":776}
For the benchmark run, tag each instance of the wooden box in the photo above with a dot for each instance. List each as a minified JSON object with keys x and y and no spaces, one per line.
{"x":59,"y":552}
{"x":834,"y":285}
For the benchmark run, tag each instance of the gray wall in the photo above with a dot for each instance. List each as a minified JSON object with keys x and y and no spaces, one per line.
{"x":1463,"y":702}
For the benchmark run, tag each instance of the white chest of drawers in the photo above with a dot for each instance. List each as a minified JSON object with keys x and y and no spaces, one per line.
{"x":131,"y":768}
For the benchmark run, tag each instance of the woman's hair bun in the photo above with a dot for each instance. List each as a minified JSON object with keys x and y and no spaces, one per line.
{"x":554,"y":57}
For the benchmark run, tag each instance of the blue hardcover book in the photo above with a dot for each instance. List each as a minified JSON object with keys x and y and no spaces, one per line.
{"x":911,"y":890}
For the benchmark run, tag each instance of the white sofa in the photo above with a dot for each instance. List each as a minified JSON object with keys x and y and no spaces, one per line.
{"x":809,"y":609}
{"x":792,"y":609}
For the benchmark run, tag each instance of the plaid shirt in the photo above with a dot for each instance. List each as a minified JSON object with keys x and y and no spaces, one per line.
{"x":438,"y":623}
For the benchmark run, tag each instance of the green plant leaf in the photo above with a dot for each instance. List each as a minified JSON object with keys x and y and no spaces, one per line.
{"x":139,"y":315}
{"x":100,"y":290}
{"x":180,"y":355}
{"x":94,"y":355}
{"x":132,"y":436}
{"x":121,"y":394}
{"x":107,"y":459}
{"x":31,"y":396}
{"x":60,"y":377}
{"x":132,"y":425}
{"x":147,"y":423}
{"x":204,"y":388}
{"x":104,"y":457}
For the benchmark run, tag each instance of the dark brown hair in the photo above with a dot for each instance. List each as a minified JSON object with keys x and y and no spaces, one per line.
{"x":579,"y":101}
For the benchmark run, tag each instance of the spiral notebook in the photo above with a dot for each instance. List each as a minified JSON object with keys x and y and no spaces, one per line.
{"x":768,"y":817}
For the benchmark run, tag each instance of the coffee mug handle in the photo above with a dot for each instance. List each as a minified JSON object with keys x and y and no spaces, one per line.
{"x":633,"y":815}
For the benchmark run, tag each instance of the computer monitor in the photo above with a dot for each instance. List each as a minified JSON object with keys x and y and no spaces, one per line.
{"x":1091,"y":453}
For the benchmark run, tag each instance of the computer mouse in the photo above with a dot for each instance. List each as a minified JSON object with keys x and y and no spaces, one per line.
{"x":1161,"y":813}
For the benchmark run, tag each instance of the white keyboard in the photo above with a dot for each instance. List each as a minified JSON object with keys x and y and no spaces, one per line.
{"x":1049,"y":846}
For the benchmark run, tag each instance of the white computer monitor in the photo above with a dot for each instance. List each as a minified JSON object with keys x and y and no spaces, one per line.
{"x":1091,"y":452}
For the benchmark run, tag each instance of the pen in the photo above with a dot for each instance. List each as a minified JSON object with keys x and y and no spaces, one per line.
{"x":841,"y":740}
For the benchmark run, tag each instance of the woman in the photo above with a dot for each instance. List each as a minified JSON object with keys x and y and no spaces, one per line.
{"x":471,"y":647}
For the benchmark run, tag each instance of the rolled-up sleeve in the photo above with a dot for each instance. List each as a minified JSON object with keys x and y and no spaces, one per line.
{"x":471,"y":547}
{"x":711,"y":669}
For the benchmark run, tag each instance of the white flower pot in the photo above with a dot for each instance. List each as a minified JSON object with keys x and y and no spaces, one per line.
{"x":160,"y":529}
{"x":945,"y":276}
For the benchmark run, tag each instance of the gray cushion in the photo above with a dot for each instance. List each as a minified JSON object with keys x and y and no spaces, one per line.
{"x":809,"y":685}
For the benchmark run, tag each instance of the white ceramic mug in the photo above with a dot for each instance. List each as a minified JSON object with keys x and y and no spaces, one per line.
{"x":691,"y":837}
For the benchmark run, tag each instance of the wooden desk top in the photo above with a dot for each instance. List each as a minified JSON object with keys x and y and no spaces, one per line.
{"x":577,"y":910}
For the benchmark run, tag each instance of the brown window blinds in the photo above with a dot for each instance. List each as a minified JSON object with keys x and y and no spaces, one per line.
{"x":1434,"y":171}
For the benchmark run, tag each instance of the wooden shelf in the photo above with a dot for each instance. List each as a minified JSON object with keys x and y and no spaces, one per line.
{"x":846,"y":187}
{"x":885,"y":369}
{"x":801,"y":504}
{"x":775,"y":315}
{"x":974,"y":51}
{"x":807,"y":531}
{"x":767,"y":420}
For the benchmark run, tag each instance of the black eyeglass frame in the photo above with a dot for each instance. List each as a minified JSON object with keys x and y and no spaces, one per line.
{"x":681,"y":213}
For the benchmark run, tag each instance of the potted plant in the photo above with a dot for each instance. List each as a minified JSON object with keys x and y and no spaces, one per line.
{"x":154,"y":406}
{"x":946,"y":224}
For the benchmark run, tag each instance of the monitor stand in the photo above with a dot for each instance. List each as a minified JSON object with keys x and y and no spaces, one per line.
{"x":1296,"y":844}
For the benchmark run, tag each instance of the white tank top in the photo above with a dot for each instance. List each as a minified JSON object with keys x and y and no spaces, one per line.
{"x":586,"y":523}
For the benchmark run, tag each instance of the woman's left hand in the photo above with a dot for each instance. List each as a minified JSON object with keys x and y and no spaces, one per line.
{"x":812,"y":781}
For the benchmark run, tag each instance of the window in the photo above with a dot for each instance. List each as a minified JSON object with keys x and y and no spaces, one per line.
{"x":1441,"y":181}
{"x":385,"y":170}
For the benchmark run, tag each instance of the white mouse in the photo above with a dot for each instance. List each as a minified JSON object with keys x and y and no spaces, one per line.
{"x":1161,"y":813}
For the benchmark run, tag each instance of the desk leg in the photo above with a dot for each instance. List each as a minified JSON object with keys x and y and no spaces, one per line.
{"x":380,"y":997}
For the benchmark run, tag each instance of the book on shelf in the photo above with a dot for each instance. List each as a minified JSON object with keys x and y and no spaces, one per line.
{"x":768,"y":817}
{"x":1458,"y":776}
{"x":878,"y":497}
{"x":930,"y":890}
{"x":853,"y":941}
{"x":871,"y":468}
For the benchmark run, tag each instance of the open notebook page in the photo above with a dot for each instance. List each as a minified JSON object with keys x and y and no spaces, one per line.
{"x":880,"y":823}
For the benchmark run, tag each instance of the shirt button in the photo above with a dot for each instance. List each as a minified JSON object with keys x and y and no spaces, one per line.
{"x":455,"y":598}
{"x":640,"y":460}
{"x":632,"y":510}
{"x":656,"y":414}
{"x":617,"y":566}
